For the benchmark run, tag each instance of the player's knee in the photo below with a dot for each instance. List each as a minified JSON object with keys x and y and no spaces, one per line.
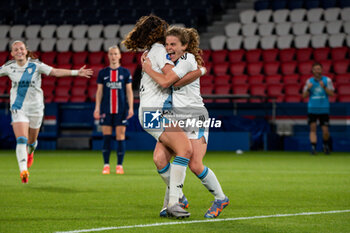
{"x":187,"y":151}
{"x":159,"y":159}
{"x":22,"y":140}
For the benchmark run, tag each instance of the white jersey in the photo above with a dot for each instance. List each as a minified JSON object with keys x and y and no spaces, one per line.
{"x":151,"y":93}
{"x":189,"y":95}
{"x":26,"y":93}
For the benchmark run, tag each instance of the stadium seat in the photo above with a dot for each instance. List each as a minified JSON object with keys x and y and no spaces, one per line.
{"x":78,"y":99}
{"x":339,"y":53}
{"x":64,"y":82}
{"x":95,"y":45}
{"x":222,"y":90}
{"x":206,"y":55}
{"x":326,"y":66}
{"x":79,"y":58}
{"x":269,"y":55}
{"x":17,"y":31}
{"x":273,"y":79}
{"x":305,"y":67}
{"x":257,"y":90}
{"x":275,"y":91}
{"x":297,"y":15}
{"x":32,"y":31}
{"x":47,"y":45}
{"x":341,"y":66}
{"x":240,"y":89}
{"x":332,"y":14}
{"x":219,"y":56}
{"x":206,"y":80}
{"x":107,"y":43}
{"x":280,"y":16}
{"x":48,"y":93}
{"x":239,"y":79}
{"x":271,"y":68}
{"x":300,"y":28}
{"x":91,"y":93}
{"x":236,"y":55}
{"x":283,"y":29}
{"x":222,"y":80}
{"x":261,"y":5}
{"x":288,"y":67}
{"x":237,"y":68}
{"x":317,"y":28}
{"x":111,"y":31}
{"x":266,"y":29}
{"x":217,"y":42}
{"x":290,"y":79}
{"x":292,"y":98}
{"x":346,"y":26}
{"x":247,"y":16}
{"x":304,"y":78}
{"x":79,"y":45}
{"x":63,"y":58}
{"x":344,"y":98}
{"x":321,"y":54}
{"x":296,"y":4}
{"x":263,"y":16}
{"x":342,"y":78}
{"x":4,"y":83}
{"x":62,"y":94}
{"x":302,"y":41}
{"x":277,"y":5}
{"x":3,"y":57}
{"x":232,"y":29}
{"x":334,"y":27}
{"x":80,"y":82}
{"x":268,"y":42}
{"x":67,"y":66}
{"x":234,"y":42}
{"x":125,"y":29}
{"x":253,"y":55}
{"x":95,"y":31}
{"x":286,"y":55}
{"x":344,"y":4}
{"x":303,"y":54}
{"x":343,"y":89}
{"x":220,"y":68}
{"x":128,"y":58}
{"x":48,"y":81}
{"x":249,"y":29}
{"x":63,"y":45}
{"x":292,"y":89}
{"x":251,"y":42}
{"x":4,"y":30}
{"x":208,"y":66}
{"x":207,"y":90}
{"x":64,"y":31}
{"x":33,"y":44}
{"x":131,"y":67}
{"x":254,"y":68}
{"x":256,"y":79}
{"x":4,"y":42}
{"x":284,"y":42}
{"x":314,"y":15}
{"x":95,"y":58}
{"x":336,"y":40}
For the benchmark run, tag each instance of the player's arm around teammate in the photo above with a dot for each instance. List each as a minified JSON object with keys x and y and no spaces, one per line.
{"x":26,"y":99}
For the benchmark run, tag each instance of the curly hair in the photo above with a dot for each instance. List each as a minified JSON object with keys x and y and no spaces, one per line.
{"x":147,"y":31}
{"x":189,"y":37}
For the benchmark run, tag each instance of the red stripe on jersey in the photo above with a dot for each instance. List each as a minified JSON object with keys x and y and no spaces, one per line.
{"x":114,"y":93}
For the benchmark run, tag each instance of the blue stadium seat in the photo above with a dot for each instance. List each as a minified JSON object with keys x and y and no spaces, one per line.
{"x":296,"y":4}
{"x":344,"y":3}
{"x":278,"y":4}
{"x":312,"y":4}
{"x":328,"y":3}
{"x":262,"y":5}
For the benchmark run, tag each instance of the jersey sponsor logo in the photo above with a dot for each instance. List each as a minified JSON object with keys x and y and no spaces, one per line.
{"x":114,"y":85}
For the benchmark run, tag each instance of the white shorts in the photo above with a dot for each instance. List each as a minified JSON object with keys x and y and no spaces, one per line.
{"x":156,"y":129}
{"x":194,"y":132}
{"x":21,"y":116}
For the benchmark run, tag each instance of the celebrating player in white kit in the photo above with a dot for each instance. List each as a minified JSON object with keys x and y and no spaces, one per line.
{"x":27,"y":101}
{"x":182,"y":47}
{"x":155,"y":101}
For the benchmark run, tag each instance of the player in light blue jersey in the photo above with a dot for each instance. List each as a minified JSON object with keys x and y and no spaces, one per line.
{"x":27,"y":101}
{"x":182,"y":48}
{"x":318,"y":88}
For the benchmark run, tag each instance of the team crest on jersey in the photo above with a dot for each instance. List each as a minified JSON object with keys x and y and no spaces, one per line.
{"x":121,"y":77}
{"x":30,"y":70}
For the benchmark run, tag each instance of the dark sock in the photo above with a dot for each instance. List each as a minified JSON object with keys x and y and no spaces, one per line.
{"x":325,"y":143}
{"x":120,"y":151}
{"x":106,"y":148}
{"x":313,"y":146}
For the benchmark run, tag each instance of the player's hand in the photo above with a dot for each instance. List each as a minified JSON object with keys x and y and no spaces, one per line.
{"x":130,"y":114}
{"x":146,"y":65}
{"x":143,"y":57}
{"x":87,"y":73}
{"x":97,"y":114}
{"x":321,"y":84}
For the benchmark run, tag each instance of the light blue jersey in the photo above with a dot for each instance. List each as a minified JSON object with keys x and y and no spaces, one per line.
{"x":318,"y":101}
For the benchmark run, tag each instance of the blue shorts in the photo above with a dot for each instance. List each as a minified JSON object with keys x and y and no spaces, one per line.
{"x":113,"y":119}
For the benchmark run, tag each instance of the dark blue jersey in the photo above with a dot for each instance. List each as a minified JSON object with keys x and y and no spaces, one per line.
{"x":114,"y":89}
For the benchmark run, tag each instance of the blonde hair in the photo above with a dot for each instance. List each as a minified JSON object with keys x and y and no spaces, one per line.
{"x":29,"y":52}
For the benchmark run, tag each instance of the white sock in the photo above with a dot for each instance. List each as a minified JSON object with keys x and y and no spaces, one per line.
{"x":21,"y":153}
{"x":177,"y":178}
{"x":165,"y":175}
{"x":210,"y":181}
{"x":32,"y":147}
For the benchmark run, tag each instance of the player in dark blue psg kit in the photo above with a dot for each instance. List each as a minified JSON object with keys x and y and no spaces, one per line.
{"x":114,"y":106}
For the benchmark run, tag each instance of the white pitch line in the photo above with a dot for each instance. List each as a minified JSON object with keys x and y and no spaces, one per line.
{"x":205,"y":221}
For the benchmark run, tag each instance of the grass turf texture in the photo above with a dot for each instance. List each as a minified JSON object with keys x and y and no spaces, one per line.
{"x":67,"y":191}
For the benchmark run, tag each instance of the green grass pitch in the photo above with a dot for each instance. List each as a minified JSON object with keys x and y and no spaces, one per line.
{"x":67,"y":192}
